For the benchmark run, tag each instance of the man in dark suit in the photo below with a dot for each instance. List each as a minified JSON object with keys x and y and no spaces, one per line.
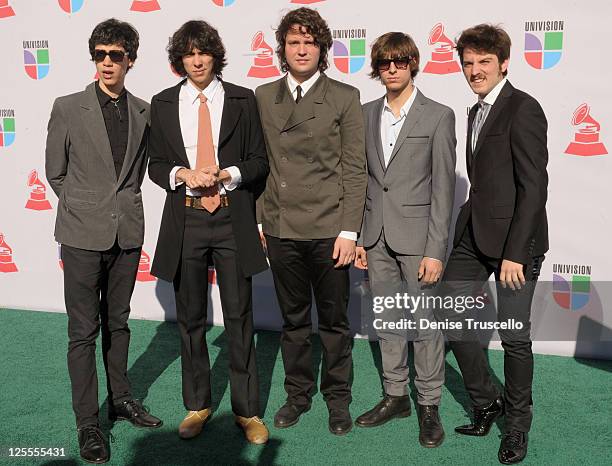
{"x":95,"y":163}
{"x":311,"y":211}
{"x":501,"y":230}
{"x":207,"y":151}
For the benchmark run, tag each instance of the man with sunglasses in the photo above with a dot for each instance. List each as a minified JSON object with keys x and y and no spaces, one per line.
{"x":95,"y":163}
{"x":410,"y":146}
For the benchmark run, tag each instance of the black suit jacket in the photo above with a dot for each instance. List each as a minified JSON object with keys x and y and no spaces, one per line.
{"x":507,"y":171}
{"x":241,"y":144}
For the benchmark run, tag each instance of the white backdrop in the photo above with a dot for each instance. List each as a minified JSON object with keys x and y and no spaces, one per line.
{"x":574,"y":71}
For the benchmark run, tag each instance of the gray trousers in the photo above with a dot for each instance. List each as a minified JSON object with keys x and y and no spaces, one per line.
{"x":389,"y":273}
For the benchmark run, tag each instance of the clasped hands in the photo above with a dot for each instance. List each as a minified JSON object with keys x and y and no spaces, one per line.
{"x":203,"y":177}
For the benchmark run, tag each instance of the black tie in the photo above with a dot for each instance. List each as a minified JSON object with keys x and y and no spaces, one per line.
{"x":299,"y":94}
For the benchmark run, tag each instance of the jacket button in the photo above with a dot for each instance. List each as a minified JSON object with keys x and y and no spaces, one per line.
{"x":113,"y":215}
{"x":310,"y":159}
{"x":385,"y":189}
{"x":310,"y":211}
{"x":474,"y":190}
{"x":283,"y":158}
{"x":283,"y":184}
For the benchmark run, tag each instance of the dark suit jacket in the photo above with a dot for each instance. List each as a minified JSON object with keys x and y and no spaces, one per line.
{"x":241,"y":144}
{"x":95,"y":207}
{"x":507,"y":171}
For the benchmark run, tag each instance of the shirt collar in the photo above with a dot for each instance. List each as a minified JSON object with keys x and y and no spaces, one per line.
{"x":104,"y":98}
{"x":306,"y":85}
{"x":491,"y":97}
{"x":210,"y":92}
{"x":406,"y":107}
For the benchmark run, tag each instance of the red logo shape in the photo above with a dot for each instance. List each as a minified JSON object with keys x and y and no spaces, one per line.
{"x":6,"y":257}
{"x":144,"y":268}
{"x":586,"y":139}
{"x":145,"y":6}
{"x":442,"y":61}
{"x":263,"y":66}
{"x":38,"y":193}
{"x":6,"y":10}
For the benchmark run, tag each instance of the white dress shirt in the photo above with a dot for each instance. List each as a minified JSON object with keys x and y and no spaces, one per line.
{"x":189,"y":104}
{"x":484,"y":106}
{"x":390,"y":126}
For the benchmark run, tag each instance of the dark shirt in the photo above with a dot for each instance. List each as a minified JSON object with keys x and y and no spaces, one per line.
{"x":116,"y":119}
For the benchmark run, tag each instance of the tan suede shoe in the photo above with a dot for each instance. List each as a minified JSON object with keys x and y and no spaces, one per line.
{"x":193,"y":423}
{"x":254,"y":428}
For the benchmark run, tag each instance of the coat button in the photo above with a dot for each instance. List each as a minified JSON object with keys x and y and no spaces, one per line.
{"x":283,"y":184}
{"x":385,"y":189}
{"x":309,"y":134}
{"x":474,"y":190}
{"x":310,"y":211}
{"x":310,"y":159}
{"x":283,"y":158}
{"x":113,"y":215}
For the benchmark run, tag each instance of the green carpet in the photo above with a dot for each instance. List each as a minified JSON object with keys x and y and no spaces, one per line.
{"x":572,"y":416}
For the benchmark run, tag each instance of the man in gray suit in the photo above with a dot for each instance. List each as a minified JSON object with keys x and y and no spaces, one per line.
{"x":95,"y":163}
{"x":410,"y":146}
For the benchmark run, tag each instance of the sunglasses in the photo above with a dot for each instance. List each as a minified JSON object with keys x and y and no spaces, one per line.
{"x":401,"y":63}
{"x":116,"y":56}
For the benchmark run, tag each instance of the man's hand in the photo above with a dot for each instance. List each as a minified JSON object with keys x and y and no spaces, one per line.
{"x":262,"y":238}
{"x":344,"y":252}
{"x":195,"y":178}
{"x":511,"y":274}
{"x":222,"y":176}
{"x":361,"y":260}
{"x":430,"y":270}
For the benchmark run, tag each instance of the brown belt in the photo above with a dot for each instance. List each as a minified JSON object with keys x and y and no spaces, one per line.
{"x":195,"y":202}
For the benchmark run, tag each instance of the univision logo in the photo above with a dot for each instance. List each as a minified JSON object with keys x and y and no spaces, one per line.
{"x":36,"y":58}
{"x":543,"y":43}
{"x":349,"y":49}
{"x":7,"y":127}
{"x":71,"y":6}
{"x":223,"y":3}
{"x":571,"y":285}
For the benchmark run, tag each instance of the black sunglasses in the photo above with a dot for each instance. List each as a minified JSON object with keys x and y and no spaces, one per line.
{"x":401,"y":63}
{"x":116,"y":56}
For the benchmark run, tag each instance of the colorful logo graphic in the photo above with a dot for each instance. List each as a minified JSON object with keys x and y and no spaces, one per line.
{"x":144,"y":268}
{"x":306,"y":2}
{"x":263,"y":63}
{"x":7,"y":127}
{"x":6,"y":10}
{"x":38,"y":193}
{"x":36,"y":58}
{"x":145,"y":6}
{"x":223,"y":3}
{"x":6,"y":257}
{"x":349,"y":49}
{"x":572,"y":290}
{"x":543,"y":43}
{"x":442,"y":60}
{"x":71,"y":6}
{"x":586,"y":139}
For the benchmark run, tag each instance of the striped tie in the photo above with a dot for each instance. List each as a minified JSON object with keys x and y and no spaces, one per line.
{"x":481,"y":116}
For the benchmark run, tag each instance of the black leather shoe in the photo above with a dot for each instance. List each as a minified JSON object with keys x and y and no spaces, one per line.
{"x":513,"y":448}
{"x":289,"y":415}
{"x":388,"y":408}
{"x":431,"y":432}
{"x":92,"y":444}
{"x":483,"y":419}
{"x":133,"y":411}
{"x":340,"y":421}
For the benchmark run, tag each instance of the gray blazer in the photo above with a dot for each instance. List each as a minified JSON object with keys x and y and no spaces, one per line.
{"x":412,"y":198}
{"x":95,"y":207}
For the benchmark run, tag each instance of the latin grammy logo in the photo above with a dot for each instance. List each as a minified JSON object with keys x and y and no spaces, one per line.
{"x":6,"y":10}
{"x":6,"y":257}
{"x":442,"y":61}
{"x":38,"y":193}
{"x":263,"y":66}
{"x":144,"y":268}
{"x":586,"y":140}
{"x":145,"y":6}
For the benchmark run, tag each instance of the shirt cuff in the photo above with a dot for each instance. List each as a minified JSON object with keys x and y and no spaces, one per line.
{"x":260,"y":227}
{"x":352,"y":235}
{"x":173,"y":182}
{"x":236,"y":178}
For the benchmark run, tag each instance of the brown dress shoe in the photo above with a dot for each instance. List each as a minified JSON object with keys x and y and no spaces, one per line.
{"x":254,"y":429}
{"x":193,"y":423}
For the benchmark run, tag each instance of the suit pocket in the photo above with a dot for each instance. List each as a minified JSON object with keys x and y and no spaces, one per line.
{"x":502,"y":211}
{"x":81,"y":199}
{"x":497,"y":137}
{"x":415,"y":211}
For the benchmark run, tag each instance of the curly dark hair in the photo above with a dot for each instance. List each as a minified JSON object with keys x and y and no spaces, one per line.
{"x":485,"y":38}
{"x":199,"y":35}
{"x":111,"y":32}
{"x":313,"y":24}
{"x":392,"y":45}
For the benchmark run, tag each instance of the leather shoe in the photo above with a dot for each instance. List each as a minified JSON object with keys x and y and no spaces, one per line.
{"x":193,"y":423}
{"x":135,"y":412}
{"x":513,"y":448}
{"x":289,"y":414}
{"x":483,"y":419}
{"x":340,"y":421}
{"x":431,"y":432}
{"x":92,"y":444}
{"x":388,"y":408}
{"x":254,"y":428}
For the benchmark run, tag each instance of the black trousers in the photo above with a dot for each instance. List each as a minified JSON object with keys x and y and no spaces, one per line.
{"x":209,"y":237}
{"x":297,"y":267}
{"x":466,"y":273}
{"x":98,"y":286}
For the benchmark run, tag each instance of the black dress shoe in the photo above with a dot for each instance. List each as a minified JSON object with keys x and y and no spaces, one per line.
{"x":340,"y":421}
{"x":133,"y":411}
{"x":289,"y":414}
{"x":431,"y":432}
{"x":483,"y":419}
{"x":92,"y":444}
{"x":513,"y":448}
{"x":388,"y":408}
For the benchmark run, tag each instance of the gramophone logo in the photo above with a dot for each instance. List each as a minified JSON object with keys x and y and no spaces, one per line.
{"x":36,"y":58}
{"x":349,"y":49}
{"x":571,"y":285}
{"x":223,"y":3}
{"x":145,"y":6}
{"x":6,"y":257}
{"x":144,"y":268}
{"x":38,"y":193}
{"x":7,"y":127}
{"x":543,"y":43}
{"x":71,"y":6}
{"x":586,"y":139}
{"x":263,"y":61}
{"x":442,"y":60}
{"x":6,"y":10}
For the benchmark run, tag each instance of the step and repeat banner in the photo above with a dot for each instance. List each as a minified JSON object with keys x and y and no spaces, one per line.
{"x":558,"y":56}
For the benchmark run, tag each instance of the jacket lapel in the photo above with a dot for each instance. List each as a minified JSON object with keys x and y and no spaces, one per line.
{"x":468,"y":141}
{"x":137,"y":125}
{"x":306,"y":109}
{"x":230,"y":116}
{"x":414,"y":115}
{"x":169,"y":116}
{"x":496,"y":110}
{"x":283,"y":104}
{"x":375,"y":117}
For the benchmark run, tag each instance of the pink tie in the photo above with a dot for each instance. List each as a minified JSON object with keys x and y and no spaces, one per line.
{"x":206,"y":154}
